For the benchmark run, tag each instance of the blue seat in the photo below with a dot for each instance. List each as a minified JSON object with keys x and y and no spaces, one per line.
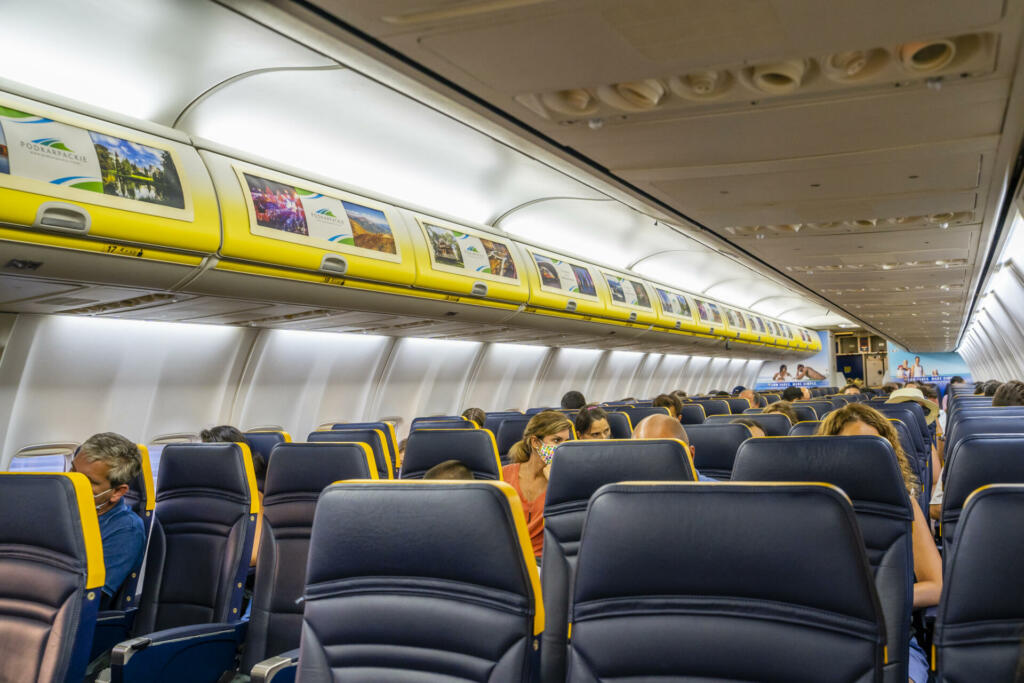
{"x":51,"y":576}
{"x":444,"y":588}
{"x":262,"y":441}
{"x":981,"y":613}
{"x":140,"y":499}
{"x":374,"y":438}
{"x":738,"y":405}
{"x":534,"y":411}
{"x":715,"y":447}
{"x":692,"y":414}
{"x":753,"y":411}
{"x":386,"y":427}
{"x":494,"y":419}
{"x":509,"y":432}
{"x":821,"y":407}
{"x":435,"y":418}
{"x":199,"y":548}
{"x":979,"y":460}
{"x":804,"y":412}
{"x":295,"y":479}
{"x":714,"y":406}
{"x":771,"y":398}
{"x":773,"y":424}
{"x":805,"y":428}
{"x":637,"y":414}
{"x":737,"y":580}
{"x":444,"y":424}
{"x":579,"y":469}
{"x":867,"y":470}
{"x":475,"y":448}
{"x":620,"y":424}
{"x":970,"y":425}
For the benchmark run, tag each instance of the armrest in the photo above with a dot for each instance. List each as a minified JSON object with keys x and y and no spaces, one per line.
{"x":279,"y":669}
{"x":112,"y":626}
{"x":198,"y":652}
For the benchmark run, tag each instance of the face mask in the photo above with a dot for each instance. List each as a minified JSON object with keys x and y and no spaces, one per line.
{"x":97,"y":495}
{"x":547,"y":452}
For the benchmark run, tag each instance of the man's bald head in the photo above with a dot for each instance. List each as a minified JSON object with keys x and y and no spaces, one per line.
{"x":659,"y":427}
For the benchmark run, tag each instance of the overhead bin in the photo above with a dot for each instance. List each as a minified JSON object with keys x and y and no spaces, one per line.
{"x":629,"y":298}
{"x":737,"y":325}
{"x":89,"y":200}
{"x":467,"y":261}
{"x":562,"y":284}
{"x":709,"y":316}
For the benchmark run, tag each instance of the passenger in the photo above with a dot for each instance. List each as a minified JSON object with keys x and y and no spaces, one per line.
{"x":889,"y":387}
{"x":856,"y":419}
{"x":956,"y":379}
{"x":736,"y":391}
{"x":792,"y":394}
{"x":476,"y":416}
{"x":573,"y":400}
{"x":931,"y":412}
{"x":851,"y":389}
{"x":110,"y":462}
{"x":1009,"y":394}
{"x":669,"y":402}
{"x":979,"y":388}
{"x":449,"y":469}
{"x":592,"y":423}
{"x":229,"y":434}
{"x":753,"y":398}
{"x":756,"y":432}
{"x":680,"y":394}
{"x":531,"y":463}
{"x":991,"y":387}
{"x":664,"y":427}
{"x":783,"y":408}
{"x":721,"y":394}
{"x":401,"y":453}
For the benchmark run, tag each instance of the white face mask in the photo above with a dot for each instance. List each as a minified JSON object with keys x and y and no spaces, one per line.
{"x":97,"y":495}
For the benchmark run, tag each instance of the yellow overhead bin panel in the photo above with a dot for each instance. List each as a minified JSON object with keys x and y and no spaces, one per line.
{"x":813,"y":340}
{"x":563,"y":285}
{"x":629,"y":299}
{"x":760,"y":328}
{"x":738,"y":325}
{"x":709,"y":316}
{"x":676,"y":311}
{"x":459,"y":260}
{"x":282,"y":220}
{"x":75,"y":182}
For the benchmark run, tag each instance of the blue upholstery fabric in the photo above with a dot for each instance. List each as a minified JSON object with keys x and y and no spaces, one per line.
{"x":692,"y":414}
{"x":294,"y":483}
{"x":981,"y":614}
{"x":738,"y":405}
{"x":373,"y":438}
{"x":201,"y":541}
{"x":637,"y":414}
{"x":436,"y":589}
{"x":620,"y":424}
{"x":820,"y":407}
{"x":984,"y":420}
{"x":714,"y":406}
{"x":715,"y":447}
{"x":387,"y":430}
{"x":805,"y":412}
{"x":494,"y":419}
{"x":979,"y":460}
{"x":47,"y":614}
{"x":444,"y":424}
{"x":866,"y":469}
{"x":509,"y":432}
{"x":773,"y":424}
{"x":737,"y":580}
{"x":805,"y":428}
{"x":473,"y":447}
{"x":578,"y":470}
{"x":263,"y":443}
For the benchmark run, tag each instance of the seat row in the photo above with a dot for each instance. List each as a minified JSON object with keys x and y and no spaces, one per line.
{"x":408,"y":578}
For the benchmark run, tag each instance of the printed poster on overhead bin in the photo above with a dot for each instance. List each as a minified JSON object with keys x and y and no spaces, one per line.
{"x":283,"y":211}
{"x":708,"y":312}
{"x":564,"y":278}
{"x":812,"y":372}
{"x":627,"y":292}
{"x":462,"y":253}
{"x":674,"y":304}
{"x":44,"y":156}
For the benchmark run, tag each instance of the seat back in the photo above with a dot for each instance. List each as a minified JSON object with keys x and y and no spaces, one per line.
{"x":715,"y":447}
{"x":509,"y":432}
{"x":866,"y":469}
{"x":692,"y":414}
{"x":805,"y":428}
{"x":770,"y":398}
{"x":969,"y":425}
{"x":475,"y":448}
{"x":738,"y":405}
{"x":262,"y":442}
{"x":620,"y":424}
{"x":387,"y":428}
{"x":981,"y":613}
{"x":738,"y":580}
{"x":980,"y":460}
{"x":714,"y":406}
{"x":773,"y":424}
{"x":51,"y":576}
{"x":637,"y":414}
{"x":294,"y":483}
{"x":201,"y":542}
{"x":444,"y":424}
{"x":804,"y":412}
{"x":374,"y":438}
{"x":578,"y":470}
{"x":140,"y":499}
{"x":435,"y":418}
{"x":445,"y":588}
{"x":534,"y":411}
{"x":820,"y":407}
{"x":494,"y":419}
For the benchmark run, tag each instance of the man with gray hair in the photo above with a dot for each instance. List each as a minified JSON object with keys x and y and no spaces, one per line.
{"x":110,"y":462}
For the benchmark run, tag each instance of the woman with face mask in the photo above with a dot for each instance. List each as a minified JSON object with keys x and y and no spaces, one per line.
{"x":531,"y":462}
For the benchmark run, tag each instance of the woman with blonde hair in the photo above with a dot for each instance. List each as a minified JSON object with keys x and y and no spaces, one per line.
{"x":531,"y":463}
{"x":782,"y":408}
{"x":859,"y":419}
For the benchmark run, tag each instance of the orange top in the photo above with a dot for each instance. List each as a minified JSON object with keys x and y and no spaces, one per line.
{"x":533,"y":510}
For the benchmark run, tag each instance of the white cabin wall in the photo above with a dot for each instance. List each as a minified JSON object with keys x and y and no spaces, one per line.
{"x":567,"y":369}
{"x":612,"y":379}
{"x":506,"y":377}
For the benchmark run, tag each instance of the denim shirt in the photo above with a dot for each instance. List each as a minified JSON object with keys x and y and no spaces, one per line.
{"x":124,"y":541}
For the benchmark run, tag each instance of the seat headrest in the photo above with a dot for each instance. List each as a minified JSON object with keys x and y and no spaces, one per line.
{"x":979,"y":460}
{"x":620,"y":425}
{"x":987,"y":562}
{"x":735,"y":540}
{"x":223,"y":467}
{"x":63,"y":527}
{"x":475,"y":448}
{"x":582,"y":467}
{"x":715,"y":444}
{"x":470,"y":532}
{"x":805,"y":428}
{"x":510,"y":431}
{"x":773,"y":424}
{"x":312,"y":467}
{"x":373,"y":437}
{"x":864,"y":467}
{"x":444,"y":424}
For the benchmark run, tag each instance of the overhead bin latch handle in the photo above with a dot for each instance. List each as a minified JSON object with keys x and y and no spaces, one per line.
{"x":63,"y":217}
{"x":679,"y":324}
{"x":570,"y":305}
{"x":632,"y":317}
{"x":333,"y":264}
{"x":479,"y":289}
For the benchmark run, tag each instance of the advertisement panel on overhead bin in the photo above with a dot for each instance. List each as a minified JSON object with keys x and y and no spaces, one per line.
{"x":563,"y":277}
{"x":674,"y":304}
{"x":44,"y":156}
{"x":461,"y":253}
{"x":627,"y":292}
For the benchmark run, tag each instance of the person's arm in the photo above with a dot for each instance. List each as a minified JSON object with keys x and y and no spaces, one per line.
{"x":936,"y":466}
{"x":125,"y":546}
{"x":927,"y":563}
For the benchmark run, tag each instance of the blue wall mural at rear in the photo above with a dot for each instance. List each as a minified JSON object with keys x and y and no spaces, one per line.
{"x":812,"y":372}
{"x":929,"y":367}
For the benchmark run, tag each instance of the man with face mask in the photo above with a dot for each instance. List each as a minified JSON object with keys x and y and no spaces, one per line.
{"x":111,"y":462}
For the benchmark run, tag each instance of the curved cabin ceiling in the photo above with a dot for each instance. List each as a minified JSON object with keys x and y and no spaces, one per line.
{"x":861,"y":149}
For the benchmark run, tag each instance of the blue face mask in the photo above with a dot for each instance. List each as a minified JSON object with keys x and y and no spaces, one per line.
{"x":547,"y":452}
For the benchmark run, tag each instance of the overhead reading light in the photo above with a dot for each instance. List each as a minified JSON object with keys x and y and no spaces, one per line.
{"x":633,"y":96}
{"x":574,"y":102}
{"x":778,"y":78}
{"x":927,"y":56}
{"x":701,"y":85}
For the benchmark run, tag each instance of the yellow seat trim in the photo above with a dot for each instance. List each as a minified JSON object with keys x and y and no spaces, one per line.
{"x":147,"y":477}
{"x":250,"y":477}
